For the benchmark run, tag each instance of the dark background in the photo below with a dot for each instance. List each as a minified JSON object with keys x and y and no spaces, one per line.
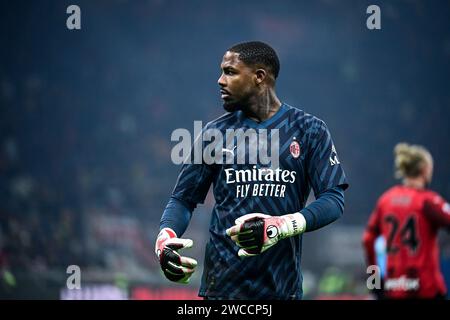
{"x":86,"y":117}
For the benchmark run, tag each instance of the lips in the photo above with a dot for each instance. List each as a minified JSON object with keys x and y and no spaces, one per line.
{"x":224,"y":93}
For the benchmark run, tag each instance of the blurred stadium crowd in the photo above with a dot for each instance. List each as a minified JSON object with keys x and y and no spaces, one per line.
{"x":86,"y":118}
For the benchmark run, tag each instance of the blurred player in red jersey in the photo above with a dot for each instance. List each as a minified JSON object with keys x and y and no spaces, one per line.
{"x":409,"y":216}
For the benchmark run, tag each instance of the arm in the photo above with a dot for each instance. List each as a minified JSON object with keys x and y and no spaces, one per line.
{"x":328,"y":207}
{"x":191,"y":188}
{"x":176,"y":216}
{"x":371,"y":233}
{"x":327,"y":178}
{"x":438,"y":211}
{"x":270,"y":229}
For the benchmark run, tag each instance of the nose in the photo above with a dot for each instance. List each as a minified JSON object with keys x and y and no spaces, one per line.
{"x":221,"y":81}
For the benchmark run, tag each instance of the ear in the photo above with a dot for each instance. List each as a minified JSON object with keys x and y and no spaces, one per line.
{"x":260,"y":76}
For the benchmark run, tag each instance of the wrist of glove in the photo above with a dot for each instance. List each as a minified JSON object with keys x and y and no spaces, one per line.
{"x":254,"y":233}
{"x":176,"y":268}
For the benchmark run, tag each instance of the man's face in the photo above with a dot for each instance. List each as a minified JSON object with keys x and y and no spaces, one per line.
{"x":237,"y":82}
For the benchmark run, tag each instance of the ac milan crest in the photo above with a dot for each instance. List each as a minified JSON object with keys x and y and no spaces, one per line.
{"x":294,"y":148}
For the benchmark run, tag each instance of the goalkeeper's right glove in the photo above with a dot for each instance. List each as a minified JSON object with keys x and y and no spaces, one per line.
{"x":257,"y":232}
{"x":175,"y":267}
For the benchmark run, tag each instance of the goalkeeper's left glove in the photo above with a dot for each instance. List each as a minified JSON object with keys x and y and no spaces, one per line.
{"x":257,"y":232}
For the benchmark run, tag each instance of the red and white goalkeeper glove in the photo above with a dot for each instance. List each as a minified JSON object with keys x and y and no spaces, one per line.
{"x":257,"y":232}
{"x":175,"y":267}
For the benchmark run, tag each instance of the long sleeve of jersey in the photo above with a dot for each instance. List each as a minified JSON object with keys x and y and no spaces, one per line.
{"x":327,"y":179}
{"x":191,"y":188}
{"x":438,"y":211}
{"x":176,"y":216}
{"x":371,"y":233}
{"x":328,"y":207}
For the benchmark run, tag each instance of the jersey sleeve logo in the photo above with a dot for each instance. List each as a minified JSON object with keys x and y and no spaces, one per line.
{"x":334,"y":158}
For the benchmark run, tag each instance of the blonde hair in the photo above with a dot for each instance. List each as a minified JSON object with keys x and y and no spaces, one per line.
{"x":410,"y":160}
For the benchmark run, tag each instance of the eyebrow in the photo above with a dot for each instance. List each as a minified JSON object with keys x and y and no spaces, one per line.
{"x":228,"y":68}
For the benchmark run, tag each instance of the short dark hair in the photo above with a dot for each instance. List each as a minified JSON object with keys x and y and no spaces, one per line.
{"x":256,"y":52}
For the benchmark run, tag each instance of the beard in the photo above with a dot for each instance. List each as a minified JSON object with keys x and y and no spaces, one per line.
{"x":240,"y":104}
{"x":231,"y":106}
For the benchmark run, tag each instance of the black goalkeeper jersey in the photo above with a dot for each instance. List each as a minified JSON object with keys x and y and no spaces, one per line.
{"x":307,"y":159}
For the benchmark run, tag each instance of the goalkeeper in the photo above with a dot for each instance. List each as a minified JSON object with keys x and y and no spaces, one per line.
{"x":255,"y":243}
